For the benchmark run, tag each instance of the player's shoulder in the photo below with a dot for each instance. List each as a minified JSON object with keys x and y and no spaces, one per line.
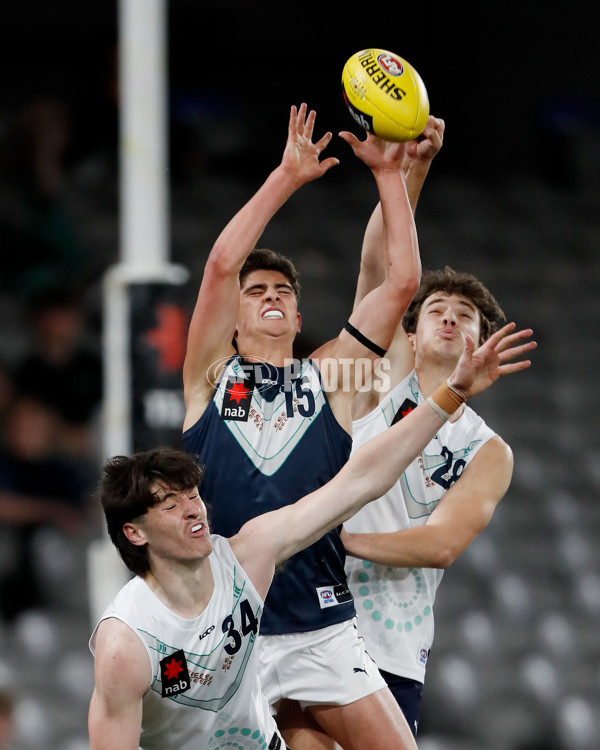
{"x":115,"y":638}
{"x":117,"y":644}
{"x":199,"y":393}
{"x":495,"y":449}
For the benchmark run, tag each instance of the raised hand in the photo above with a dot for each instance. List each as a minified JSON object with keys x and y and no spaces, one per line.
{"x":375,"y":152}
{"x":301,"y":155}
{"x":478,"y":368}
{"x":426,"y":147}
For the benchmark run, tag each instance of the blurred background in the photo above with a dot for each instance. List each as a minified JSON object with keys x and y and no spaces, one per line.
{"x":513,"y":197}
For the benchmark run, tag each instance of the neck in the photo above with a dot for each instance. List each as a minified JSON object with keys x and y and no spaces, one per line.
{"x":275,"y":351}
{"x":431,"y":376}
{"x":184,"y":589}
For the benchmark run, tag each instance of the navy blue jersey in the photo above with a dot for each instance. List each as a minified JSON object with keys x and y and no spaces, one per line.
{"x":267,"y":438}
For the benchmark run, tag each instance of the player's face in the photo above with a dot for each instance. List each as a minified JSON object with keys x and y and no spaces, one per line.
{"x":176,"y":528}
{"x":444,"y":321}
{"x":268,"y":306}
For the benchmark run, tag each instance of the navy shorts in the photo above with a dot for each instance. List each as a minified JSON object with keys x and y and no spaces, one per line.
{"x":408,"y":696}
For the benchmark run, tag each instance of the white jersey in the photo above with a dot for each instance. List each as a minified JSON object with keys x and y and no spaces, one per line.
{"x":395,"y":605}
{"x":205,"y":691}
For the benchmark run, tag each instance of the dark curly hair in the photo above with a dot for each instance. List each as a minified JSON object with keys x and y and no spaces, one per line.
{"x":125,"y":494}
{"x":263,"y":259}
{"x":448,"y":281}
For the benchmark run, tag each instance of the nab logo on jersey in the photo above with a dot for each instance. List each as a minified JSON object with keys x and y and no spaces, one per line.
{"x":406,"y":408}
{"x":174,"y":674}
{"x":236,"y":400}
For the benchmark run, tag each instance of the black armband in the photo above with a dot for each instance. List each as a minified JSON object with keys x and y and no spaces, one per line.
{"x":364,"y":340}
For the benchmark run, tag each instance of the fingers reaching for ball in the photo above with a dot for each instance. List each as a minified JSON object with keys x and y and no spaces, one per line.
{"x":301,"y":157}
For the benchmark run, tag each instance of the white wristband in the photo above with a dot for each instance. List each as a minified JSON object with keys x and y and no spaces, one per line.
{"x":438,"y":409}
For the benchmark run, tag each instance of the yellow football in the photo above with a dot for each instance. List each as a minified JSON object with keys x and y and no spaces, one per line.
{"x":385,"y":95}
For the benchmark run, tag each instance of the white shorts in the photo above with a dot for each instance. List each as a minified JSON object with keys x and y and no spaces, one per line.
{"x":328,"y":666}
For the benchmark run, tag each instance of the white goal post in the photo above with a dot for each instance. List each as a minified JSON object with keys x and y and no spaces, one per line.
{"x":144,"y":242}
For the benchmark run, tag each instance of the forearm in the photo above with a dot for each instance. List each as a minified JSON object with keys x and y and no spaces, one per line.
{"x":418,"y":547}
{"x":415,"y":177}
{"x":215,"y":314}
{"x":463,"y":512}
{"x":376,"y":465}
{"x":380,"y":461}
{"x":390,"y":265}
{"x":399,"y":242}
{"x":372,"y":260}
{"x":368,"y":475}
{"x":420,"y":153}
{"x":375,"y":264}
{"x":241,"y":234}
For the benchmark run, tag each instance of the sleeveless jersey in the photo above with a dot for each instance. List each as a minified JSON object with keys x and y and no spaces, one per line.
{"x":205,"y":691}
{"x":395,"y":605}
{"x":267,"y":438}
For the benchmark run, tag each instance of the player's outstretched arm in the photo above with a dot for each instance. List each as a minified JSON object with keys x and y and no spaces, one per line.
{"x":374,"y":468}
{"x":380,"y":312}
{"x":213,"y":321}
{"x":418,"y":157}
{"x":398,"y":242}
{"x":464,"y":511}
{"x":467,"y":507}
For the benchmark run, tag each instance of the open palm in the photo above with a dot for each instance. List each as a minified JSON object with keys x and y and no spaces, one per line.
{"x":478,"y":368}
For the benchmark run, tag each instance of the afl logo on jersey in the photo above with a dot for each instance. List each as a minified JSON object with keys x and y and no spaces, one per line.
{"x":330,"y":596}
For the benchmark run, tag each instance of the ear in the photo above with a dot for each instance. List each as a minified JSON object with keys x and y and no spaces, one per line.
{"x":412,"y":338}
{"x":134,"y":535}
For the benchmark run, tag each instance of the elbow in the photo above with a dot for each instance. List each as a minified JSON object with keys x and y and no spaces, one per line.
{"x":411,"y":285}
{"x":402,"y":288}
{"x":408,"y":283}
{"x":218,"y":263}
{"x":442,"y":558}
{"x":224,"y":260}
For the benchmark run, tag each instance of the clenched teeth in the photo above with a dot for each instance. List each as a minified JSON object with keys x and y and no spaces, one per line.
{"x":273,"y":315}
